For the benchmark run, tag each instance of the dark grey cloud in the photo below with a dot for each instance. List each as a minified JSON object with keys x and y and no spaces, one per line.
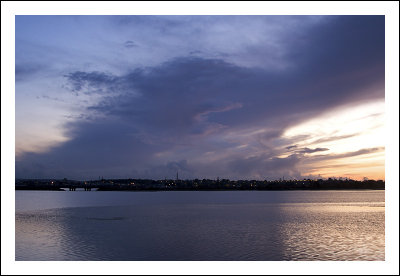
{"x":95,"y":81}
{"x":195,"y":52}
{"x":308,"y":150}
{"x":265,"y":167}
{"x":188,"y":106}
{"x":106,"y":146}
{"x":346,"y":154}
{"x":161,"y":22}
{"x":130,"y":44}
{"x":27,"y":71}
{"x":47,"y":97}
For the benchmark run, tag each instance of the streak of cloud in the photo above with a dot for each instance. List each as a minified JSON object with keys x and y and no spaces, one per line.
{"x":216,"y":115}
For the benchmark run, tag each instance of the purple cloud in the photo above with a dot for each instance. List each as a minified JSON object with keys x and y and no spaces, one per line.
{"x":196,"y":114}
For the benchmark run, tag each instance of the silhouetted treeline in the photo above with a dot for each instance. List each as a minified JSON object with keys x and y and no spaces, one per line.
{"x":199,"y":184}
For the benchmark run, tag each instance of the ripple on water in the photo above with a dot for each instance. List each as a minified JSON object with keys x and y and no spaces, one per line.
{"x":262,"y":231}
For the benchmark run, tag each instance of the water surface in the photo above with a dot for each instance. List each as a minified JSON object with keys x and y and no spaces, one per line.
{"x":209,"y":225}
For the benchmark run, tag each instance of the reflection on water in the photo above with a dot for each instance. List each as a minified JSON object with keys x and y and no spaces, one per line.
{"x":246,"y":226}
{"x":334,"y":232}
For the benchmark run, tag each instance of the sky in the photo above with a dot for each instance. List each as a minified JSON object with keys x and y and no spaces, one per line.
{"x":238,"y":97}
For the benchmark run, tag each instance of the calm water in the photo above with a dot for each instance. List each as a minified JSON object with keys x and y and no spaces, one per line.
{"x":234,"y":225}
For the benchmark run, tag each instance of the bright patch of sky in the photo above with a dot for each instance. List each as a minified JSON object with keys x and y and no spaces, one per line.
{"x":228,"y":96}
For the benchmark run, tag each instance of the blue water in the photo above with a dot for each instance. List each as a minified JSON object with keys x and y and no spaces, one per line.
{"x":228,"y":225}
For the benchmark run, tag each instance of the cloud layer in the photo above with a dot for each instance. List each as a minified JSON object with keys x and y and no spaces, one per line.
{"x":209,"y":116}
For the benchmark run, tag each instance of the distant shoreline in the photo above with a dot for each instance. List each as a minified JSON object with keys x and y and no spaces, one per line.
{"x":197,"y":190}
{"x":198,"y":185}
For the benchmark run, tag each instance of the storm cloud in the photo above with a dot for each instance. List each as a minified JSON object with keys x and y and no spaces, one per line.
{"x":212,"y":116}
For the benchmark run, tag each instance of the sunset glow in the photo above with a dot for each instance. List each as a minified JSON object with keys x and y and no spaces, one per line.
{"x":238,"y":97}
